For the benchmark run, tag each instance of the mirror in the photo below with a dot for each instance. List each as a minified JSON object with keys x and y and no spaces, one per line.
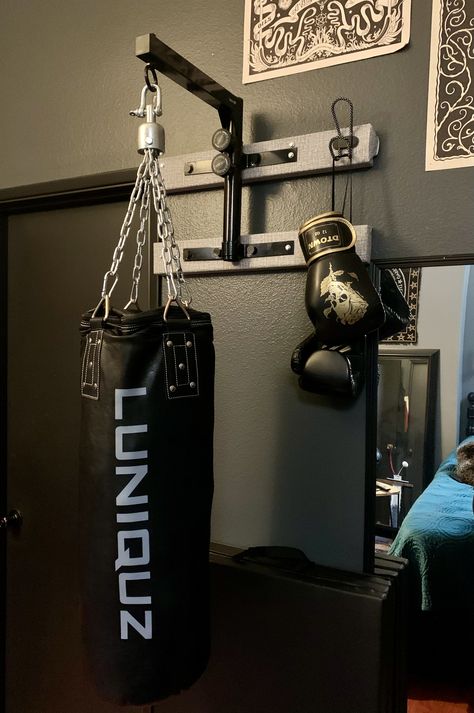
{"x":407,"y":400}
{"x":423,"y":389}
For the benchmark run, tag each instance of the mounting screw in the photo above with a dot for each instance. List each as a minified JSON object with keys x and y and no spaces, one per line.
{"x":291,"y":154}
{"x":288,"y":247}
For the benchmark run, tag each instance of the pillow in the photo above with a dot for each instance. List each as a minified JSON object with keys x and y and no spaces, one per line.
{"x":465,"y":466}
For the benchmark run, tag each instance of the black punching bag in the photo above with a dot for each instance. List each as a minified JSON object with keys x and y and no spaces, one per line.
{"x":146,"y":475}
{"x":146,"y":483}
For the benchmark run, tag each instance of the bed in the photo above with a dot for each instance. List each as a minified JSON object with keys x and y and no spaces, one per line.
{"x":437,"y":538}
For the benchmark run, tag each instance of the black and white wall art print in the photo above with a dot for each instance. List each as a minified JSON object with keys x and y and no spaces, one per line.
{"x":450,"y":117}
{"x":284,"y":37}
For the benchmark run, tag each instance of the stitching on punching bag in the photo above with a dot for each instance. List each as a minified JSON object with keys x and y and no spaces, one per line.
{"x":90,"y":373}
{"x":181,"y":374}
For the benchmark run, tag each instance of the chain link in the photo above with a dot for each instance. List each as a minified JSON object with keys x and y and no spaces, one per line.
{"x":141,"y":239}
{"x":111,"y":276}
{"x":149,"y":182}
{"x":178,"y":290}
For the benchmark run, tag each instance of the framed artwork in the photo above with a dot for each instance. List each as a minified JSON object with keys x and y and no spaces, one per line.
{"x":450,"y":115}
{"x":284,"y":37}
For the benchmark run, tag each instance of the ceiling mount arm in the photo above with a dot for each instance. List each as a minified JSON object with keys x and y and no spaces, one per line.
{"x":230,"y":108}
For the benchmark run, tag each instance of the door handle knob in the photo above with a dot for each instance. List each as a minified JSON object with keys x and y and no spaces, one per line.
{"x":13,"y":519}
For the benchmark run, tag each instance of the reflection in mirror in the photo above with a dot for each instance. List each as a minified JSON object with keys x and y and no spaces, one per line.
{"x":407,"y":398}
{"x":422,"y":414}
{"x":436,"y":533}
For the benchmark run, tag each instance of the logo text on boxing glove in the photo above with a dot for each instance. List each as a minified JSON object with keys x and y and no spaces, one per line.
{"x":326,"y":234}
{"x":323,"y":237}
{"x":133,"y":538}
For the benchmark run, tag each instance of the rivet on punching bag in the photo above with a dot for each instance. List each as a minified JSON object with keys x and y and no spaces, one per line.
{"x":146,"y":467}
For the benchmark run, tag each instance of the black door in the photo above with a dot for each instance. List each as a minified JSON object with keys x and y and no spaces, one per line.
{"x":55,"y":267}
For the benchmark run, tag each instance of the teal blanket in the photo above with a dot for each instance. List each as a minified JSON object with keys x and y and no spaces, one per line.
{"x":437,"y":538}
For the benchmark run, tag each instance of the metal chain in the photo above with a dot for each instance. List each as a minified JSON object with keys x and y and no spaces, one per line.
{"x":149,"y":181}
{"x":178,"y":290}
{"x":112,"y":273}
{"x":141,"y":239}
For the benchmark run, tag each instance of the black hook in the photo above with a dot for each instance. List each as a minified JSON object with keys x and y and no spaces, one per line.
{"x":150,"y":68}
{"x":342,"y":143}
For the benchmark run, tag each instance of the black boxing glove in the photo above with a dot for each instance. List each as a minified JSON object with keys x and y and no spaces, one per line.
{"x":328,"y":371}
{"x":340,"y":299}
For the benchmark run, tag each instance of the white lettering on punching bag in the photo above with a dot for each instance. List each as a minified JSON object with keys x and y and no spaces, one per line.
{"x":133,"y":546}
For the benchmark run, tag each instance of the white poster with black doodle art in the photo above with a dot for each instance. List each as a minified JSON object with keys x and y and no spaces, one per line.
{"x":283,"y":37}
{"x":450,"y":119}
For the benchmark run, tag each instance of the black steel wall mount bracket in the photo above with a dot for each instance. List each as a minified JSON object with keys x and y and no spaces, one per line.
{"x":230,"y":108}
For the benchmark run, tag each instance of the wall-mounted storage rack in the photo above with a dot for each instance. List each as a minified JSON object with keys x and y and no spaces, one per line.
{"x":290,"y":157}
{"x":306,"y":155}
{"x":275,"y":251}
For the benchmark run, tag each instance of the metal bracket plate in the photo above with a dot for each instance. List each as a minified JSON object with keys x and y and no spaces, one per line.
{"x":254,"y":250}
{"x":270,"y":158}
{"x":249,"y":160}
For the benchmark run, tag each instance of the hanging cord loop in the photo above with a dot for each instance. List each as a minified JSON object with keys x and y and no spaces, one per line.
{"x":148,"y":192}
{"x":341,"y":147}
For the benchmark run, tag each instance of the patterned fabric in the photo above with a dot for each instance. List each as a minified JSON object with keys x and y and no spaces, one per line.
{"x":408,"y":281}
{"x":437,"y":537}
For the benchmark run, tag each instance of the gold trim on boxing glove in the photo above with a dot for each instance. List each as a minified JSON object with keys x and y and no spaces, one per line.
{"x":322,"y":235}
{"x":347,"y":303}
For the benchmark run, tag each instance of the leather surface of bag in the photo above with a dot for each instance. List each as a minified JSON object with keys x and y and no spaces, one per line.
{"x":146,"y":485}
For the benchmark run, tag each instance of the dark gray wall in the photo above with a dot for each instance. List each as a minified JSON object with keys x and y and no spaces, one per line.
{"x":69,"y":79}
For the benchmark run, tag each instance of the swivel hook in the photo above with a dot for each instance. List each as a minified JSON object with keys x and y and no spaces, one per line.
{"x":156,"y":104}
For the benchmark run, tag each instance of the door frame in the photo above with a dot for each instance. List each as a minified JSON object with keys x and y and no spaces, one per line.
{"x":83,"y":191}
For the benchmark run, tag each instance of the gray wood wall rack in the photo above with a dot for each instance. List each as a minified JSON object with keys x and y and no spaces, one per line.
{"x":193,"y":172}
{"x":264,"y":251}
{"x":287,"y":254}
